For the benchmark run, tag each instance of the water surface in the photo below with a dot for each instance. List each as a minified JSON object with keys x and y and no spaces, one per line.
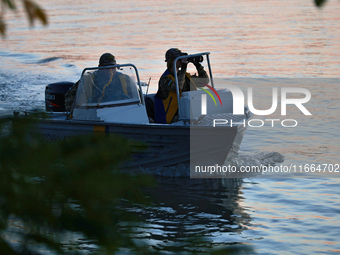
{"x":252,"y":39}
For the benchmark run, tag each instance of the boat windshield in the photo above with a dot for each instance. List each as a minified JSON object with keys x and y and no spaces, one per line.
{"x":107,"y":86}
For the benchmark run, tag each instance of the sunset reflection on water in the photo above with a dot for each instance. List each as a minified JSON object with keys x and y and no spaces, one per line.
{"x":248,"y":38}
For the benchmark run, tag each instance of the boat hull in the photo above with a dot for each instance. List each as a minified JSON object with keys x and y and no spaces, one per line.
{"x":166,"y":144}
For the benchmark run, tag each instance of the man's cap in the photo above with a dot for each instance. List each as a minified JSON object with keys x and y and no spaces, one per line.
{"x":172,"y":54}
{"x":107,"y":59}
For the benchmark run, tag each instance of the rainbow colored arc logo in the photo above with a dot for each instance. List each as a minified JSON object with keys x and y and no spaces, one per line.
{"x":213,"y":90}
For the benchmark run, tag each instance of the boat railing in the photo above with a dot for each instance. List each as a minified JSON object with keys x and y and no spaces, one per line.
{"x":180,"y":114}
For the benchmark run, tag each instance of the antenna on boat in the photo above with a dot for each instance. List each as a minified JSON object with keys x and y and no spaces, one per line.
{"x":147,"y":89}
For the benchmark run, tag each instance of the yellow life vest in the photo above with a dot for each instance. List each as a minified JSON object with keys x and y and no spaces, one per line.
{"x":171,"y":103}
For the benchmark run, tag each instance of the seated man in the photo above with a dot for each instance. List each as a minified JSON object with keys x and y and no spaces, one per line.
{"x":166,"y":105}
{"x":107,"y":84}
{"x":110,"y":85}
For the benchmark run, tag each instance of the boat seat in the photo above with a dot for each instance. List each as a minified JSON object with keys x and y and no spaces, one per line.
{"x":150,"y":107}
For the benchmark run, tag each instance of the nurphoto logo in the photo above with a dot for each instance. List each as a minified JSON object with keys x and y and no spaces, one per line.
{"x":239,"y":106}
{"x":204,"y":98}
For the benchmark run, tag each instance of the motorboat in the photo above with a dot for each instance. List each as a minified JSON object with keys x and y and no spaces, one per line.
{"x":110,"y":100}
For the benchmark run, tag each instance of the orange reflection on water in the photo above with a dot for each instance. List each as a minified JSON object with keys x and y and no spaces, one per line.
{"x":246,"y":38}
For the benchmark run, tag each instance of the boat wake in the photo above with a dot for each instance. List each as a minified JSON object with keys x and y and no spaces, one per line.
{"x":46,"y":60}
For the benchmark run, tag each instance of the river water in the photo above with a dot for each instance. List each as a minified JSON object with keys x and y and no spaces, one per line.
{"x":257,"y":40}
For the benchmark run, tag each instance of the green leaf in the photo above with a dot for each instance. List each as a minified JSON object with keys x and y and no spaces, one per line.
{"x":40,"y":14}
{"x":2,"y":27}
{"x":10,"y":4}
{"x":320,"y":3}
{"x":33,"y":12}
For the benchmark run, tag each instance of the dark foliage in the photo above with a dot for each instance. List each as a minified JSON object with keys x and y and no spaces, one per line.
{"x":50,"y":189}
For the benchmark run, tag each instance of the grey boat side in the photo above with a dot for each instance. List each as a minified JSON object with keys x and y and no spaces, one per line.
{"x":166,"y":144}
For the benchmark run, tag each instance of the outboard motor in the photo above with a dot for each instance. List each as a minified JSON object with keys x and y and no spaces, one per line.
{"x":55,"y":96}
